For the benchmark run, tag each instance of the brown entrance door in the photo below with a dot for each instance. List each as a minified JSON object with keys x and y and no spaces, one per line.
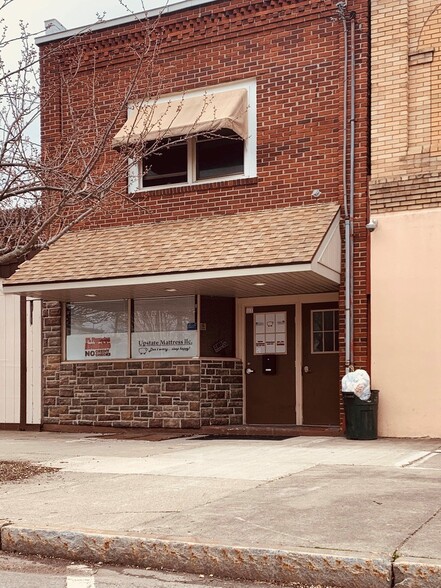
{"x":270,"y":370}
{"x":320,"y":364}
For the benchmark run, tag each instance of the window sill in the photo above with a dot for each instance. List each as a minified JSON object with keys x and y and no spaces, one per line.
{"x":206,"y":186}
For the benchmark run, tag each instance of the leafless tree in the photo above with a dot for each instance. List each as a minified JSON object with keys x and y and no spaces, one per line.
{"x":46,"y":192}
{"x":43,"y":194}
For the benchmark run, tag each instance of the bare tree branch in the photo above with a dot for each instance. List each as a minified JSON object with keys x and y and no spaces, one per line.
{"x":45,"y":194}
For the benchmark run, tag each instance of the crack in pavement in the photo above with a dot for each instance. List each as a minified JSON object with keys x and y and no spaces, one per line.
{"x":423,"y":524}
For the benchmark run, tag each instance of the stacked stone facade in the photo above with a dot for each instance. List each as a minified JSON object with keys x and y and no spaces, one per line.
{"x":172,"y":394}
{"x":221,"y":388}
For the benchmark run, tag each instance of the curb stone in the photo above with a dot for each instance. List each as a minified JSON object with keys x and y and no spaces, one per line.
{"x":314,"y":566}
{"x":413,"y":572}
{"x":3,"y":523}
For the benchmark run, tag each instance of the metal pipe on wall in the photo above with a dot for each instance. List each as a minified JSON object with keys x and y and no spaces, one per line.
{"x":352,"y":183}
{"x":348,"y":201}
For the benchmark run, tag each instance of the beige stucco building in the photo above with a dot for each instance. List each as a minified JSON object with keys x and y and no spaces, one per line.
{"x":405,"y":200}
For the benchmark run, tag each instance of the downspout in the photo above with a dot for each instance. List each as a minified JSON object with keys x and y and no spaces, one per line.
{"x":348,"y":202}
{"x":352,"y":186}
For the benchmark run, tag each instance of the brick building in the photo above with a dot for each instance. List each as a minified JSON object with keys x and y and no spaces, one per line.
{"x":223,"y":299}
{"x":405,"y":201}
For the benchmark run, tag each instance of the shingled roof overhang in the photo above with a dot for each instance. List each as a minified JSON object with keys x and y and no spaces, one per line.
{"x":292,"y":250}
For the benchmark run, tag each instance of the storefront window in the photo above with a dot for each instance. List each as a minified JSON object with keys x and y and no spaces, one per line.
{"x":164,"y":327}
{"x":97,"y":330}
{"x":158,"y":328}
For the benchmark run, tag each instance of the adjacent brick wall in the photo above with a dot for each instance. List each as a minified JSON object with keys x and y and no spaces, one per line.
{"x":406,"y":96}
{"x":409,"y":193}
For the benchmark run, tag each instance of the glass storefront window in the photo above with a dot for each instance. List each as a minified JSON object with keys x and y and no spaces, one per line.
{"x":97,"y":330}
{"x":164,"y":327}
{"x":150,"y":328}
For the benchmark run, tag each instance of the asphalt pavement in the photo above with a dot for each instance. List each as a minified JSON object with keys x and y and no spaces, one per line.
{"x":21,"y":572}
{"x":311,"y":510}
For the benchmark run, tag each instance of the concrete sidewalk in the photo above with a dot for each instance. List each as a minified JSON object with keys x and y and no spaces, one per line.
{"x":353,"y":514}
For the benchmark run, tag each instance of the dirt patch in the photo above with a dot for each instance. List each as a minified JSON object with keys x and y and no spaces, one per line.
{"x":15,"y":471}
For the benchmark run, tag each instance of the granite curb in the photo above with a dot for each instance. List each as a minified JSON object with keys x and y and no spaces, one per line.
{"x":345,"y":569}
{"x":413,"y":572}
{"x":313,"y":566}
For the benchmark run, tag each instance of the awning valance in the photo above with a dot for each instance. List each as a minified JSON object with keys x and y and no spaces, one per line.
{"x":185,"y":116}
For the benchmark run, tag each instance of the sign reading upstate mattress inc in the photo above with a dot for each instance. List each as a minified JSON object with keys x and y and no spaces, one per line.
{"x":103,"y":346}
{"x":164,"y":344}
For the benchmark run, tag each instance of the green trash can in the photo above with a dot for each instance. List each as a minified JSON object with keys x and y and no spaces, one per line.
{"x":361,"y":416}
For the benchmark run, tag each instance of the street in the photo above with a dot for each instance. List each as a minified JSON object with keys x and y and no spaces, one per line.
{"x":20,"y":572}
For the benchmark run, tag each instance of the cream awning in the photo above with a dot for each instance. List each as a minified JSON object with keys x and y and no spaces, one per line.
{"x":185,"y":116}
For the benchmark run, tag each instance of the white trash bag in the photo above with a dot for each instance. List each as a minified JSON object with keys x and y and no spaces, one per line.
{"x":357,"y":382}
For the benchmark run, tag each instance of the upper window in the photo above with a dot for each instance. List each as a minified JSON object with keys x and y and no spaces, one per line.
{"x":202,"y":136}
{"x":167,"y":165}
{"x":205,"y":157}
{"x":219,"y":155}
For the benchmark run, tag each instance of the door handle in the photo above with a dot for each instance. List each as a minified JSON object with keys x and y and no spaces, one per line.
{"x":306,"y":369}
{"x":249,"y":371}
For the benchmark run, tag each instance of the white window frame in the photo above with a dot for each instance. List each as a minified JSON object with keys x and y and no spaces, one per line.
{"x":250,"y":145}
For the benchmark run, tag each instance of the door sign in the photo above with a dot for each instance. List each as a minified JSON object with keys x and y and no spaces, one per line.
{"x":270,"y":333}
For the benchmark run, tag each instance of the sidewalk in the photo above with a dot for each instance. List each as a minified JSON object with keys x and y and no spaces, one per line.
{"x":354,"y":514}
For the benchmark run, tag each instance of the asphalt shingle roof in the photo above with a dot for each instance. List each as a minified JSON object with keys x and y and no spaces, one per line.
{"x":271,"y":237}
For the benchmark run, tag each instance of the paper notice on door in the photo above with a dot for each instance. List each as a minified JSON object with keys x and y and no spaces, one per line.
{"x":270,"y":323}
{"x":270,"y":343}
{"x":280,"y":342}
{"x":270,"y":333}
{"x":259,"y":323}
{"x":260,"y":346}
{"x":281,"y":322}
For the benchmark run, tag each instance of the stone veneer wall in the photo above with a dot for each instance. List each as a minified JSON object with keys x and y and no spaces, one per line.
{"x":221,"y":392}
{"x":181,"y":393}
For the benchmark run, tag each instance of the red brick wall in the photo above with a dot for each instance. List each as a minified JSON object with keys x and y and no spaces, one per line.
{"x":294,"y":50}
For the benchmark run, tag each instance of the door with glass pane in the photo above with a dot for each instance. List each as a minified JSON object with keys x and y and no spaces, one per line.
{"x":320,"y":364}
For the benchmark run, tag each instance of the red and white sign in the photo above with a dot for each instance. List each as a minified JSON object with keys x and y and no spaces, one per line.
{"x":103,"y":346}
